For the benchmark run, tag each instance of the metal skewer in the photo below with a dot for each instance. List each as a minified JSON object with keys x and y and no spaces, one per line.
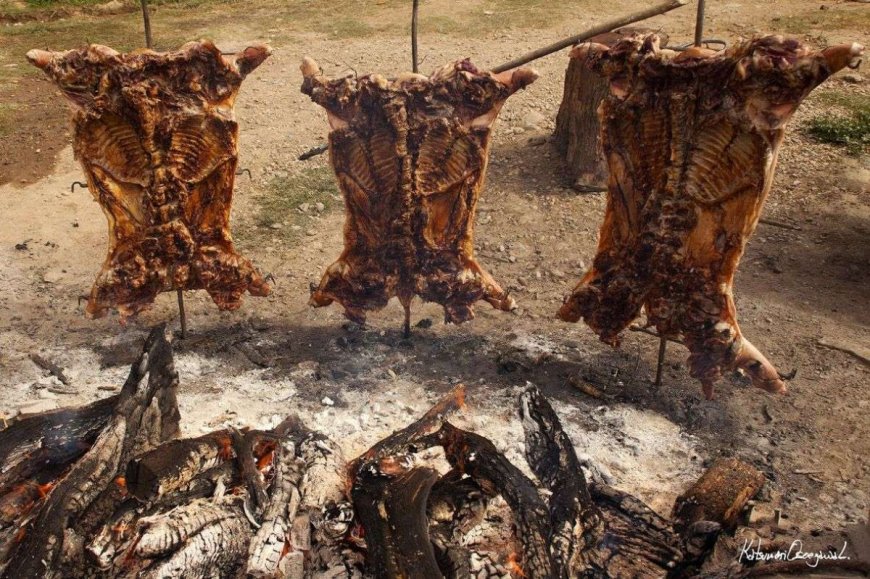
{"x":181,"y":313}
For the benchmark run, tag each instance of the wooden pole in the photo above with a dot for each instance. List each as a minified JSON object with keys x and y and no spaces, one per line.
{"x":595,"y":31}
{"x":699,"y":23}
{"x":146,"y":18}
{"x":414,"y":36}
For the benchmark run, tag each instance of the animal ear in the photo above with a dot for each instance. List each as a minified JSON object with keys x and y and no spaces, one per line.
{"x":251,"y":57}
{"x":517,"y":78}
{"x":589,"y":51}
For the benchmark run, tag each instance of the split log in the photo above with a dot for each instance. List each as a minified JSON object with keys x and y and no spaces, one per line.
{"x":595,"y":530}
{"x":268,"y":545}
{"x":456,"y":505}
{"x":203,"y":539}
{"x":403,"y":441}
{"x":576,"y":521}
{"x":393,"y":512}
{"x":719,"y":495}
{"x":577,"y":127}
{"x":146,"y":411}
{"x":390,"y":498}
{"x":50,"y":440}
{"x":478,"y":457}
{"x":176,"y":464}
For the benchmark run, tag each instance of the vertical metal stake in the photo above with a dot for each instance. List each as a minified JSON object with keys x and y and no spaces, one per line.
{"x":181,"y":313}
{"x":407,"y":327}
{"x":699,"y":23}
{"x":414,"y":36}
{"x":663,"y":344}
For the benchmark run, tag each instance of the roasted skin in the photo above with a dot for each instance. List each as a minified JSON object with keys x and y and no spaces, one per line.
{"x":691,"y":141}
{"x":156,"y":136}
{"x":410,"y":156}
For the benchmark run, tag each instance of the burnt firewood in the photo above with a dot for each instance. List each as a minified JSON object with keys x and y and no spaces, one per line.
{"x":596,"y":530}
{"x":719,"y":495}
{"x":576,"y":521}
{"x":404,"y":441}
{"x":53,"y":534}
{"x":477,"y":457}
{"x":204,"y":539}
{"x":392,"y":510}
{"x":456,"y":504}
{"x":636,"y":542}
{"x":56,"y":438}
{"x":268,"y":544}
{"x":175,"y":464}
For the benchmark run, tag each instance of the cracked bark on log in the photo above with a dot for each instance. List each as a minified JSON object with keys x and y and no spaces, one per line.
{"x":595,"y":529}
{"x":392,"y":510}
{"x":719,"y":495}
{"x":175,"y":464}
{"x":477,"y":457}
{"x":54,"y":529}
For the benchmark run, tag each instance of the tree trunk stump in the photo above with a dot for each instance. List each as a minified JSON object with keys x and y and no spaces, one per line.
{"x":577,"y":127}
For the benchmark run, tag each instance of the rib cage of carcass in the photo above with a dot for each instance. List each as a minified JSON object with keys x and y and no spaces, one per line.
{"x":410,"y":156}
{"x":691,"y":141}
{"x":157,"y":137}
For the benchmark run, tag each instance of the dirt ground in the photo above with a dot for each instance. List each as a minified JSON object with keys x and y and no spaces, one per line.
{"x":797,"y":287}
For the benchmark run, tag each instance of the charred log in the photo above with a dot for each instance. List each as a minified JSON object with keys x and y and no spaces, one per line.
{"x":151,"y":385}
{"x":477,"y":457}
{"x":576,"y":523}
{"x":596,"y":530}
{"x":392,"y":509}
{"x":50,"y":441}
{"x":719,"y":495}
{"x":176,"y":464}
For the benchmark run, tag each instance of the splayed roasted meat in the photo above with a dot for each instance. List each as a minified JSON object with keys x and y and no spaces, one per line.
{"x":691,"y":141}
{"x":410,"y":156}
{"x":156,"y":136}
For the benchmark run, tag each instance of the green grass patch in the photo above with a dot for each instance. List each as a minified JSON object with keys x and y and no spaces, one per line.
{"x":852,"y":131}
{"x":291,"y":201}
{"x":846,"y":125}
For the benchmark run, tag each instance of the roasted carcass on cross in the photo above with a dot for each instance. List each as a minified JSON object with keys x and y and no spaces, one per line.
{"x":691,"y":140}
{"x":410,"y":155}
{"x":157,"y":137}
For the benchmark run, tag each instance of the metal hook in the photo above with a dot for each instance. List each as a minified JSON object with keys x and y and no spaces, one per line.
{"x":72,"y":187}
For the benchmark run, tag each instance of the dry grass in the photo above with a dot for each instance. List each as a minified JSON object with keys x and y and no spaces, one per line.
{"x":835,"y":17}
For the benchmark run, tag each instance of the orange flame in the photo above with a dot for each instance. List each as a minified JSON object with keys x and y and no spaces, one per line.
{"x":513,"y":566}
{"x":265,"y":461}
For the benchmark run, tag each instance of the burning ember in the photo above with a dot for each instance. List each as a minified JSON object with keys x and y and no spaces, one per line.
{"x":138,"y":501}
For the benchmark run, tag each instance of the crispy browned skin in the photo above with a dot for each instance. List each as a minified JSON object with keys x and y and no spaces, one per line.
{"x":691,"y":142}
{"x":410,"y":156}
{"x":156,"y":136}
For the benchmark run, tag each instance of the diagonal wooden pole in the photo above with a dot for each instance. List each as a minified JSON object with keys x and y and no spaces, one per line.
{"x":594,"y":31}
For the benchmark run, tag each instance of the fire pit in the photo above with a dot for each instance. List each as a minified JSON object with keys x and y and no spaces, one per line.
{"x":110,"y":490}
